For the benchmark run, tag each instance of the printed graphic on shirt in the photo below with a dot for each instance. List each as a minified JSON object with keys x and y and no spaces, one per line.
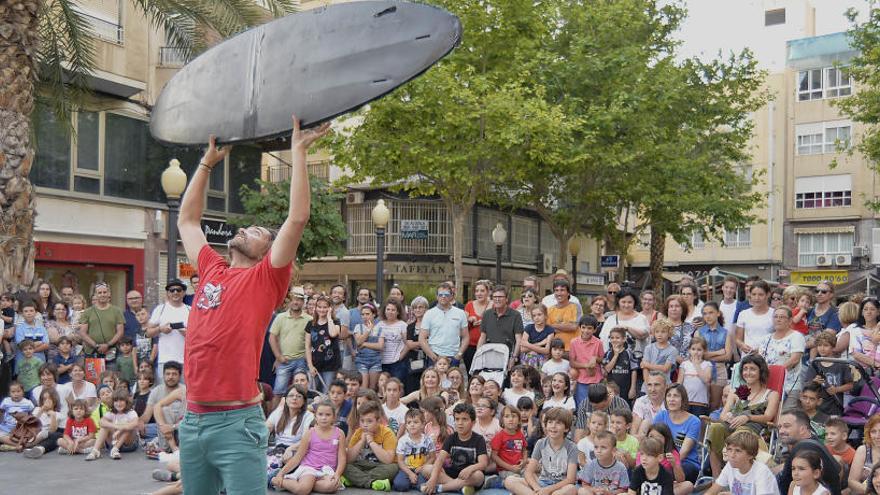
{"x":209,"y":297}
{"x":741,"y":488}
{"x":651,"y":488}
{"x":463,"y":456}
{"x":415,"y":457}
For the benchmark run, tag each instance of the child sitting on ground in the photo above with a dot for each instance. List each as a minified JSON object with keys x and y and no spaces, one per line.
{"x":604,"y":475}
{"x":415,"y":450}
{"x":509,"y":448}
{"x":518,"y":386}
{"x":79,"y":434}
{"x":340,"y":404}
{"x":466,"y":453}
{"x":627,"y":446}
{"x":48,"y":413}
{"x":598,"y":423}
{"x":118,"y":428}
{"x":12,"y":406}
{"x":560,"y":387}
{"x":544,"y":472}
{"x":752,"y":478}
{"x":371,"y":451}
{"x":320,"y":459}
{"x":394,"y":410}
{"x":650,"y":478}
{"x":487,"y":426}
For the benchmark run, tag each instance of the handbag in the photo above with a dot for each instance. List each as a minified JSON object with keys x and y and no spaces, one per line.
{"x":26,"y":430}
{"x":94,"y":367}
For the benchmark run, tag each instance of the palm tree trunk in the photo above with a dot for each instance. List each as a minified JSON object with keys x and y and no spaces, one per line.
{"x":18,"y":46}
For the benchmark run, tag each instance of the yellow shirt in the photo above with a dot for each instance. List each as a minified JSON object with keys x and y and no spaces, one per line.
{"x":383,"y":436}
{"x":568,"y":314}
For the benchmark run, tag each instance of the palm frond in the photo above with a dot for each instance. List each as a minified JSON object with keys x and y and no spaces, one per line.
{"x":280,"y":8}
{"x":182,"y":20}
{"x":65,"y":59}
{"x":232,"y":16}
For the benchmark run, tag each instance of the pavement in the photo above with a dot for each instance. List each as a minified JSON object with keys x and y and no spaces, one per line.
{"x":54,"y":474}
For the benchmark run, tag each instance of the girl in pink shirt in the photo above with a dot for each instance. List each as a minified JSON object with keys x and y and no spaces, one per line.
{"x":320,"y":457}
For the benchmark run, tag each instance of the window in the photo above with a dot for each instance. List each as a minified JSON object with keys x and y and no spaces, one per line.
{"x":822,"y":137}
{"x":826,"y":191}
{"x":828,"y":82}
{"x":133,"y":162}
{"x":244,"y":170}
{"x":644,"y":240}
{"x":696,"y":241}
{"x":52,"y":160}
{"x":810,"y":246}
{"x":103,"y":18}
{"x":774,"y":17}
{"x":739,"y":238}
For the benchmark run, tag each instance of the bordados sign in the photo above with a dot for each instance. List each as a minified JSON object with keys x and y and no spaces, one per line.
{"x":217,"y":231}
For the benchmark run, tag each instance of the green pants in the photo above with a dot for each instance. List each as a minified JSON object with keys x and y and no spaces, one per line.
{"x":224,"y":450}
{"x":362,"y":474}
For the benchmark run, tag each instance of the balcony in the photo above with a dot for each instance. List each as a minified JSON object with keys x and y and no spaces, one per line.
{"x":103,"y":29}
{"x":170,"y":56}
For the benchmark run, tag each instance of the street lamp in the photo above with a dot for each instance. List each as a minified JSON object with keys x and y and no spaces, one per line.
{"x":574,"y":247}
{"x":499,"y":236}
{"x":173,"y":183}
{"x":380,"y":214}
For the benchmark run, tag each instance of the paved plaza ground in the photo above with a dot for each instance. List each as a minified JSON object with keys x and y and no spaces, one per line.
{"x":62,"y":475}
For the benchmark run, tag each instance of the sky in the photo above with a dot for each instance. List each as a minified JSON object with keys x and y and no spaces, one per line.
{"x":727,"y":25}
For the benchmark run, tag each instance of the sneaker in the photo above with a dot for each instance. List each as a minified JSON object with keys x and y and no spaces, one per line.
{"x":381,"y":486}
{"x":35,"y":452}
{"x":86,"y":450}
{"x":93,"y":455}
{"x":344,"y":481}
{"x":162,"y":475}
{"x":114,"y":454}
{"x":468,"y":490}
{"x":7,"y":448}
{"x":63,"y":451}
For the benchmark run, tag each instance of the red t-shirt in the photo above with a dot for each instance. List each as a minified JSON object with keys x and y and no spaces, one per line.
{"x":800,"y":326}
{"x":509,"y":447}
{"x":79,"y":429}
{"x":231,"y":310}
{"x":473,"y":330}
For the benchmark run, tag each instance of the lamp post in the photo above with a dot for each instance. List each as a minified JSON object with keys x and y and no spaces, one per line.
{"x":173,"y":183}
{"x":499,"y":236}
{"x":380,"y":215}
{"x":574,"y":247}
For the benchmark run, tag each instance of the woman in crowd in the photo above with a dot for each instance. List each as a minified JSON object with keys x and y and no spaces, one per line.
{"x":785,"y":347}
{"x":862,"y":340}
{"x":419,"y":306}
{"x":45,"y":300}
{"x":529,"y":301}
{"x":675,"y":309}
{"x":396,"y":293}
{"x":690,"y":295}
{"x":685,"y":428}
{"x":475,"y":310}
{"x":394,"y":354}
{"x":598,"y":308}
{"x":649,"y":306}
{"x":629,"y":317}
{"x":755,"y":323}
{"x":58,"y":326}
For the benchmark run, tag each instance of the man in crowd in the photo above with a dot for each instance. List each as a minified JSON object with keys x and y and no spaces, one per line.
{"x":364,"y":296}
{"x":501,"y":325}
{"x":795,"y":433}
{"x":101,"y":326}
{"x":134,"y":301}
{"x":444,"y":330}
{"x":550,"y":299}
{"x":287,"y":338}
{"x":598,"y":399}
{"x":168,"y":321}
{"x":173,"y":413}
{"x":562,"y":315}
{"x":338,"y":293}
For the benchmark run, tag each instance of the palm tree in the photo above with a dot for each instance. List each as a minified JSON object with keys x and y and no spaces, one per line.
{"x":47,"y":52}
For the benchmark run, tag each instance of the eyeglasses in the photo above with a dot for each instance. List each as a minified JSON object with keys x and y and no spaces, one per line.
{"x":499,"y":297}
{"x":133,"y":298}
{"x":612,"y":292}
{"x":776,"y":298}
{"x":444,"y":294}
{"x":175,"y":289}
{"x":822,"y":291}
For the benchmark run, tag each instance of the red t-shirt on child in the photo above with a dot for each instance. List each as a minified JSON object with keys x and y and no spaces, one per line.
{"x":224,"y":339}
{"x":800,"y":326}
{"x":509,"y":447}
{"x":79,"y":429}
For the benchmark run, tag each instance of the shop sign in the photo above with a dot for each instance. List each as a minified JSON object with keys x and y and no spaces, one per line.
{"x":418,"y":269}
{"x":816,"y":276}
{"x":217,"y":231}
{"x":186,"y":270}
{"x":590,"y":279}
{"x":414,"y":229}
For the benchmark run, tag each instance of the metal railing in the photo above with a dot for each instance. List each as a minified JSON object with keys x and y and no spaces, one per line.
{"x":104,"y":29}
{"x":279,"y":172}
{"x":170,"y":56}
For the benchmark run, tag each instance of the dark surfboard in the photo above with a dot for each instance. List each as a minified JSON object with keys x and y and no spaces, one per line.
{"x":317,"y":64}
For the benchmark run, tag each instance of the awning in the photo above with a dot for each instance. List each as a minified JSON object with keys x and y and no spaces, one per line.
{"x":859,"y":284}
{"x":842,"y":229}
{"x":674,"y":277}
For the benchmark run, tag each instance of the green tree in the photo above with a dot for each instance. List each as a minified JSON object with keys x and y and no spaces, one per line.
{"x":864,"y":104}
{"x":268,"y":205}
{"x":477,"y":117}
{"x":46,"y":48}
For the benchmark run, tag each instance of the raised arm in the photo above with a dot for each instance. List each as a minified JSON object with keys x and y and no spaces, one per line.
{"x":287,"y":241}
{"x":193,"y":203}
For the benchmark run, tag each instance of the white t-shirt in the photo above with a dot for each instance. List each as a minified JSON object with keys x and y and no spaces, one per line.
{"x":171,"y":343}
{"x":46,"y":421}
{"x":643,"y":408}
{"x":288,"y":436}
{"x":566,"y":403}
{"x":586,"y":447}
{"x":550,"y":366}
{"x":638,"y":322}
{"x":63,"y":391}
{"x":820,"y":490}
{"x":395,"y":339}
{"x":698,"y":313}
{"x":550,"y":300}
{"x":122,"y":418}
{"x":857,"y":338}
{"x":696,"y":388}
{"x":778,"y":351}
{"x":89,"y":391}
{"x":396,"y":417}
{"x":511,"y":397}
{"x":758,"y":481}
{"x":728,"y":311}
{"x":755,"y":327}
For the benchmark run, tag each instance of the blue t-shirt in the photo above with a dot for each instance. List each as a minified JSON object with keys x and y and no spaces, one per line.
{"x":689,"y":429}
{"x":10,"y":408}
{"x":37,"y":333}
{"x":131,"y":325}
{"x":828,"y":321}
{"x":61,"y":361}
{"x":535,"y":336}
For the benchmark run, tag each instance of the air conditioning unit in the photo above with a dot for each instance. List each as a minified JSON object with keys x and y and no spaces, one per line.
{"x":823,"y":260}
{"x":547,"y":264}
{"x":354,"y":198}
{"x":859,"y":251}
{"x":843,"y":260}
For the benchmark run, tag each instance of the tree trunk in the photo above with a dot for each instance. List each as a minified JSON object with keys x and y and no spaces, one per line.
{"x":18,"y":46}
{"x":658,"y":248}
{"x":459,"y":215}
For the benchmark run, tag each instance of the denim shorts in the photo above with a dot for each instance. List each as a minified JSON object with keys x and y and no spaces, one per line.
{"x":368,"y":362}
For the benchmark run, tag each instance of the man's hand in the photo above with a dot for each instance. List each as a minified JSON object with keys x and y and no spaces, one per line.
{"x":301,"y":139}
{"x":103,"y":348}
{"x":213,"y":155}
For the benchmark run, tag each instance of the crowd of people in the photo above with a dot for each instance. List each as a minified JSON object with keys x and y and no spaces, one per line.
{"x":629,"y":393}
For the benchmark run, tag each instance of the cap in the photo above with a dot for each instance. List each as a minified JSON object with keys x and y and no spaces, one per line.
{"x":298,"y":292}
{"x":175,"y":282}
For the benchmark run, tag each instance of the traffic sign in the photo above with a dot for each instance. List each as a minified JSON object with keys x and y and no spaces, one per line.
{"x":609,"y":261}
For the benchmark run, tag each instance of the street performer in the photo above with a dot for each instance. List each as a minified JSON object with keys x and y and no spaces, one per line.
{"x":223,"y":438}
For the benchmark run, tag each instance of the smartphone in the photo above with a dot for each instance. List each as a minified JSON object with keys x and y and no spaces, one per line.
{"x":177,"y":326}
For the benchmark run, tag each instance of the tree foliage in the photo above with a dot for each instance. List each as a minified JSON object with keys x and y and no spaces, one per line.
{"x":864,"y":104}
{"x":269,"y":203}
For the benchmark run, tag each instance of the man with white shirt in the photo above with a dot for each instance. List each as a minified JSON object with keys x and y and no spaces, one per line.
{"x":168,"y":321}
{"x":728,"y":303}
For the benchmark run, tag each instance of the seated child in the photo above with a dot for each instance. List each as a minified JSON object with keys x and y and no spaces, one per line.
{"x":509,"y":448}
{"x":835,"y":379}
{"x":394,"y":410}
{"x":415,"y":450}
{"x":530,"y":423}
{"x":598,"y":422}
{"x":12,"y":406}
{"x":118,"y":428}
{"x":741,"y":471}
{"x":49,"y":414}
{"x":604,"y":475}
{"x":340,"y":404}
{"x":836,"y":433}
{"x":465,"y":452}
{"x":627,"y":446}
{"x":650,"y":478}
{"x":319,"y":459}
{"x":79,"y":434}
{"x":716,"y":414}
{"x":553,"y":464}
{"x":556,"y":363}
{"x":371,"y":462}
{"x":810,"y":401}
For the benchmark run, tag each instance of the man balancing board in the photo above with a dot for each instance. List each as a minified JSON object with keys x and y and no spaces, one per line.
{"x":223,"y":438}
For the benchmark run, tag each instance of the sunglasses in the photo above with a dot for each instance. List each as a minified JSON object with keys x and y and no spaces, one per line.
{"x":822,"y":291}
{"x":776,"y":298}
{"x":176,"y":289}
{"x":612,"y":293}
{"x":444,"y":294}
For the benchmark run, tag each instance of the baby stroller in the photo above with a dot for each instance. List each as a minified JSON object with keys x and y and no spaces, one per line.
{"x":490,"y":362}
{"x":865,"y":402}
